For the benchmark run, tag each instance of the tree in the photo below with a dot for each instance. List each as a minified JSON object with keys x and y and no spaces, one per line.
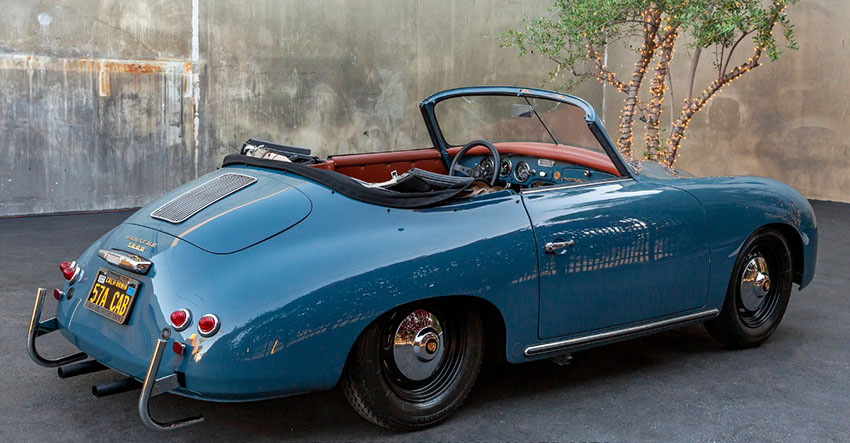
{"x":574,"y":33}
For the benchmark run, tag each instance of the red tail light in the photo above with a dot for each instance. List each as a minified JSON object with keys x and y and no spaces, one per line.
{"x":70,"y":271}
{"x":178,"y":348}
{"x":57,"y":294}
{"x":208,"y":325}
{"x":180,"y":319}
{"x":67,"y":270}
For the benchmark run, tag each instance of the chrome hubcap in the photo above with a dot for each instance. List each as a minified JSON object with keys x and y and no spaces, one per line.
{"x":418,"y":345}
{"x":755,"y":283}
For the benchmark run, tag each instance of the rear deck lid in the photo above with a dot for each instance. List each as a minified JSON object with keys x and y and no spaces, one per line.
{"x":227,"y":210}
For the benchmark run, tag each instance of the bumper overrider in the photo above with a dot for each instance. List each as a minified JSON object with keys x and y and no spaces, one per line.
{"x":73,"y":365}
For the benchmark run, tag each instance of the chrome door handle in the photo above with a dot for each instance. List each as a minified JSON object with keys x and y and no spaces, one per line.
{"x":553,"y":246}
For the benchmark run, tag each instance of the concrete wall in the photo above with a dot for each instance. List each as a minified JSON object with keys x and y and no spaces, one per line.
{"x":94,"y":111}
{"x":106,"y":104}
{"x":98,"y":99}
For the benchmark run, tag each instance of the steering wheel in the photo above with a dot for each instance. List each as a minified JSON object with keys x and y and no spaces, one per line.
{"x":476,"y":172}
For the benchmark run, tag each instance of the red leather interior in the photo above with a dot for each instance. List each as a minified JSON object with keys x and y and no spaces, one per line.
{"x":377,"y":166}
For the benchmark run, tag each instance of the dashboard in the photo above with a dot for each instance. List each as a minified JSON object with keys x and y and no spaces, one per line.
{"x":530,"y":172}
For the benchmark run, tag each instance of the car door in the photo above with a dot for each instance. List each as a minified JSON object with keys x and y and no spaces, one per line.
{"x":616,"y":252}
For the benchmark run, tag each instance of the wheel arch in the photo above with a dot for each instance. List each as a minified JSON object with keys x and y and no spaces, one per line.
{"x":494,"y":322}
{"x":795,"y":242}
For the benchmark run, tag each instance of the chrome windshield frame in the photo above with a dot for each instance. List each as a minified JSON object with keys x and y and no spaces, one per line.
{"x":590,"y":116}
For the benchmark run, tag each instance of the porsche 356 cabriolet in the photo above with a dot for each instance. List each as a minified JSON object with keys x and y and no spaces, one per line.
{"x":521,"y":233}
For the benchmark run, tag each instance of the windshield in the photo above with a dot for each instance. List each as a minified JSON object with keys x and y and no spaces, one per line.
{"x":503,"y":118}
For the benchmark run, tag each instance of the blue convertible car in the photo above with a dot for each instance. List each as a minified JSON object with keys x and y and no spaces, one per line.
{"x":521,"y":233}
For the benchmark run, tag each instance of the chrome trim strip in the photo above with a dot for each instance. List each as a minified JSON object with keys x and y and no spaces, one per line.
{"x":125,"y":260}
{"x":38,"y":328}
{"x":563,"y":344}
{"x":573,"y":185}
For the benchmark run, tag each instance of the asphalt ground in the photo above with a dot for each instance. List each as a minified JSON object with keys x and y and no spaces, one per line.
{"x":675,"y":386}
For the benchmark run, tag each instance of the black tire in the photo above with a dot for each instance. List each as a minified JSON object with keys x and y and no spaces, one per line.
{"x":746,"y":320}
{"x":379,"y":391}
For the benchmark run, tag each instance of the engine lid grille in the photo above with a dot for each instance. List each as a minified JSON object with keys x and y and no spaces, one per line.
{"x":194,"y":200}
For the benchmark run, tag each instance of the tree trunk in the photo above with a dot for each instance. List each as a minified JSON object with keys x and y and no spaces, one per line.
{"x":652,"y":19}
{"x":657,"y":91}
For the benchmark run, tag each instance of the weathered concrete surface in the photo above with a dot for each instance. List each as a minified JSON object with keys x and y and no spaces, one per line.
{"x":786,"y":120}
{"x":90,"y":121}
{"x":677,"y":386}
{"x":111,"y":84}
{"x":347,"y":77}
{"x":90,"y":134}
{"x":94,"y":111}
{"x":144,"y":30}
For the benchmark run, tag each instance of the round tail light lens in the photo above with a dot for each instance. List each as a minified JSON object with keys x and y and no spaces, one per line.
{"x":180,"y":319}
{"x":57,"y":294}
{"x":208,"y":325}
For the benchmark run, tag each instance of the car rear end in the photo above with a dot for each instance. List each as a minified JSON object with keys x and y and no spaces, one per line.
{"x":142,"y":299}
{"x":114,"y":313}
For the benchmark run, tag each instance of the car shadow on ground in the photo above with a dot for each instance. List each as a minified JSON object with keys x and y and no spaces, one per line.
{"x":510,"y":381}
{"x":313,"y":414}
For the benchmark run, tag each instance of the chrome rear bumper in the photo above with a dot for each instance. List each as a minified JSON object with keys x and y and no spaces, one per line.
{"x":38,"y":328}
{"x":154,"y":386}
{"x":151,"y":386}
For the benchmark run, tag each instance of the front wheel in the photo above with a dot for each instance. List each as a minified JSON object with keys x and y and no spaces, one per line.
{"x":412,"y":368}
{"x":758,"y":292}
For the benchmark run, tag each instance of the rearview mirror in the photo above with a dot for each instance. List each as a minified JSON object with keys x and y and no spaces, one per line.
{"x":521,"y":111}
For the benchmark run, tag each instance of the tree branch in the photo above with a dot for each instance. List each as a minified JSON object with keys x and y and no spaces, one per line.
{"x":677,"y":133}
{"x":732,"y":51}
{"x":693,"y":74}
{"x":602,"y":72}
{"x":605,"y":75}
{"x":720,"y":70}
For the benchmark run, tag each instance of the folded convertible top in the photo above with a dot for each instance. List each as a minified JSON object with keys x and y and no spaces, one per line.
{"x":349,"y":187}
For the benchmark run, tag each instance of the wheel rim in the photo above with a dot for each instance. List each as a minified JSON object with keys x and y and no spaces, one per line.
{"x":421,"y":355}
{"x":755,"y":283}
{"x":418,"y":345}
{"x":758,"y":287}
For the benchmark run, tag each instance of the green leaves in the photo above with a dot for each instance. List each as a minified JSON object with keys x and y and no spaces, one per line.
{"x":564,"y":33}
{"x":573,"y":33}
{"x":727,"y":20}
{"x":569,"y":27}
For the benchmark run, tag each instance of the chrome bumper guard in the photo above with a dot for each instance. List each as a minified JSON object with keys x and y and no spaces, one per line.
{"x":38,"y":328}
{"x":151,"y":386}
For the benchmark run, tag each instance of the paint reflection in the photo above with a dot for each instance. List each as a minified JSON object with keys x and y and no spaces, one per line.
{"x":623,"y":242}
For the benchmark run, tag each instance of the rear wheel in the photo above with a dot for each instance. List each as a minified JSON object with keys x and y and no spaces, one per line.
{"x":413,"y":367}
{"x":758,"y":292}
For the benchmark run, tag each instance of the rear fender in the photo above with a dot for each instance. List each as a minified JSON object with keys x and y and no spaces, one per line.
{"x":291,"y":307}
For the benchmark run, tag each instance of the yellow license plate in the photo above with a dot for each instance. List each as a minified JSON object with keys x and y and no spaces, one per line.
{"x":112,"y":295}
